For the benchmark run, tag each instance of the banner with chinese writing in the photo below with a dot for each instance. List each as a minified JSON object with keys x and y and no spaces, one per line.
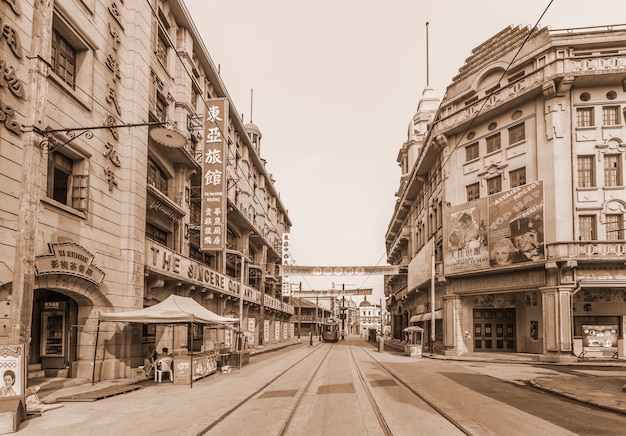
{"x":286,"y":270}
{"x":213,"y":225}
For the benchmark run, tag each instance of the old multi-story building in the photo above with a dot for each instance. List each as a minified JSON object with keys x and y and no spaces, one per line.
{"x":510,"y":211}
{"x":370,"y":317}
{"x":110,"y":111}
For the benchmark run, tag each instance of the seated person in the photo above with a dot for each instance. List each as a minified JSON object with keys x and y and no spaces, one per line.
{"x":164,"y":353}
{"x":149,"y":362}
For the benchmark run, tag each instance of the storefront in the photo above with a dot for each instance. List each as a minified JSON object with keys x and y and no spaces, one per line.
{"x":495,"y":313}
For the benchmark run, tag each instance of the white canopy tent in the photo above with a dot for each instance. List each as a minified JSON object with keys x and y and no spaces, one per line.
{"x":173,"y":310}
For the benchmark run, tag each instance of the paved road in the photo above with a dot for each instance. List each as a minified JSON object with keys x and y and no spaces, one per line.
{"x":179,"y":409}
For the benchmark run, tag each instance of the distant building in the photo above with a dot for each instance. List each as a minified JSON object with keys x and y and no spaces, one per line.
{"x":369,"y":317}
{"x":513,"y":186}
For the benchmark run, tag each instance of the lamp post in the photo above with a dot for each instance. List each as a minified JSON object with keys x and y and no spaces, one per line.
{"x":242,"y":277}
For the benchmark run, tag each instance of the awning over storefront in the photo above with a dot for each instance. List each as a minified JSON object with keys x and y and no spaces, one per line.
{"x":426,"y":316}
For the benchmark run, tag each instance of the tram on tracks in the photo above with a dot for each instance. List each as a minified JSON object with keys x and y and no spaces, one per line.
{"x":330,"y":331}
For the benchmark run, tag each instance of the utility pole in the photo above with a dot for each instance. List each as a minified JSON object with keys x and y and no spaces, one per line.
{"x":344,"y":312}
{"x":23,"y":289}
{"x":432,"y":304}
{"x":299,"y":313}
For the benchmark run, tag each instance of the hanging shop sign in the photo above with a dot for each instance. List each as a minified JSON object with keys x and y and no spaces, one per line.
{"x":214,"y":184}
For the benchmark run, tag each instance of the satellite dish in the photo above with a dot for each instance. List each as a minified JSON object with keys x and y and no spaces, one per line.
{"x":168,"y":137}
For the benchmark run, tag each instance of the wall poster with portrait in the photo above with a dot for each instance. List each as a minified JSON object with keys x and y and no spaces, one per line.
{"x":495,"y":231}
{"x":12,"y":368}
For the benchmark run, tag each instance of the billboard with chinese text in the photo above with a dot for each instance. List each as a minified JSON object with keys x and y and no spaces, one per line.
{"x":213,"y":224}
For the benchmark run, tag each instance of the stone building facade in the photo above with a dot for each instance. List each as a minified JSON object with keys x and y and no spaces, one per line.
{"x":104,"y":108}
{"x":511,"y":205}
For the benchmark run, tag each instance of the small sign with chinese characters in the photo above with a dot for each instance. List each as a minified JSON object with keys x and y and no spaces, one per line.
{"x":71,"y":259}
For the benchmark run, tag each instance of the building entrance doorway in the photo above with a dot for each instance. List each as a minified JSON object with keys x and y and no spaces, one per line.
{"x":494,"y":330}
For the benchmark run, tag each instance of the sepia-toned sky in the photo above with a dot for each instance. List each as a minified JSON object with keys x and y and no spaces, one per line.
{"x":335,"y":84}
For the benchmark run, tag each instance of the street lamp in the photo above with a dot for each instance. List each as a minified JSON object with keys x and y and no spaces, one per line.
{"x":241,"y":280}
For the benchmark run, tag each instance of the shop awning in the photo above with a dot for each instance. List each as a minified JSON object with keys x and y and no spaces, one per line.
{"x":174,"y":309}
{"x":426,"y":316}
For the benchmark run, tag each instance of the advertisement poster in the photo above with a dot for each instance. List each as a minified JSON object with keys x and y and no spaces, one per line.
{"x":466,"y":238}
{"x":598,"y":337}
{"x":499,"y":230}
{"x":12,"y":369}
{"x":516,"y":225}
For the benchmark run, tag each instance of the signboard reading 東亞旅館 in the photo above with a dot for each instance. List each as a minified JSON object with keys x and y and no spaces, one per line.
{"x":213,"y":223}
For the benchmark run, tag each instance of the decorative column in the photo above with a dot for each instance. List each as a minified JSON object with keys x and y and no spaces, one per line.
{"x":557,"y":324}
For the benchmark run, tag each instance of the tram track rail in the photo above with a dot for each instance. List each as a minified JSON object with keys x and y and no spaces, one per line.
{"x":362,"y":384}
{"x":378,"y":413}
{"x":271,"y":382}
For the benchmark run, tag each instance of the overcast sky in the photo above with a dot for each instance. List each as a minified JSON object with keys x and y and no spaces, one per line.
{"x":335,"y":84}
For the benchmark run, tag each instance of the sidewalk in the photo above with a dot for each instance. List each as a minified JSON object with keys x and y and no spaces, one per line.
{"x":601,"y":388}
{"x":51,"y":389}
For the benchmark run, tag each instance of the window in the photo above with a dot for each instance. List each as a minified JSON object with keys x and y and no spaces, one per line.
{"x":156,"y":234}
{"x":160,"y":107}
{"x":494,"y":185}
{"x":610,"y":116}
{"x":156,"y":177}
{"x":63,"y":59}
{"x":66,"y":184}
{"x":517,"y":177}
{"x":612,"y":170}
{"x":473,"y":191}
{"x":517,"y":133}
{"x":584,"y":117}
{"x":71,"y":59}
{"x":471,"y":152}
{"x":586,"y":172}
{"x":493,"y":143}
{"x":614,"y":227}
{"x":161,"y":51}
{"x":587,"y":228}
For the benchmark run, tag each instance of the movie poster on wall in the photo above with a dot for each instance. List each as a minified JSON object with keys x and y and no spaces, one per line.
{"x":516,"y":225}
{"x":466,"y":237}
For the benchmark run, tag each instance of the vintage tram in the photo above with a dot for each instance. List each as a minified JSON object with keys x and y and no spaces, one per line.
{"x":330,"y":331}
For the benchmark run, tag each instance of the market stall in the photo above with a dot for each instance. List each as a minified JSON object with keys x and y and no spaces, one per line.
{"x":176,"y":310}
{"x":414,"y":337}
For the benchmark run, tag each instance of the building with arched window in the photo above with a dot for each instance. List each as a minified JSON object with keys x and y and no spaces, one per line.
{"x":105,"y":167}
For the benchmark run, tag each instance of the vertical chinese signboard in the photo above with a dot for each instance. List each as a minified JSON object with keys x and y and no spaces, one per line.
{"x":213,"y":226}
{"x":286,"y":288}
